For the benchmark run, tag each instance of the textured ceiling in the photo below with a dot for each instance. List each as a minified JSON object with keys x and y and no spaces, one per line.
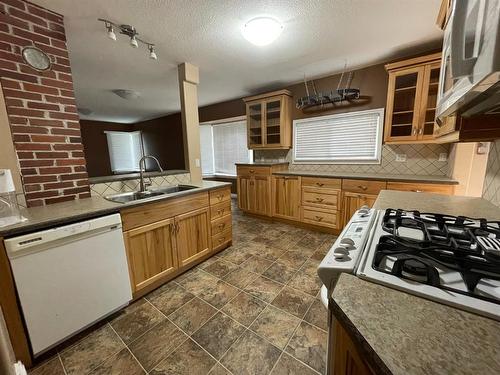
{"x":318,"y":38}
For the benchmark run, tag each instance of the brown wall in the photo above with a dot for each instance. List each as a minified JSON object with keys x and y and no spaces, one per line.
{"x":162,"y":138}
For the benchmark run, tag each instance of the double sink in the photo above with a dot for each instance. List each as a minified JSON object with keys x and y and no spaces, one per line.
{"x":141,"y":195}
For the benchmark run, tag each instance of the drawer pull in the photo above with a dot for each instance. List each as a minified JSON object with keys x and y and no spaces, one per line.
{"x":252,"y":170}
{"x":417,"y":191}
{"x":319,"y":184}
{"x":362,"y":187}
{"x":318,"y":218}
{"x":319,"y":199}
{"x":222,"y":239}
{"x":222,"y":225}
{"x":220,"y":196}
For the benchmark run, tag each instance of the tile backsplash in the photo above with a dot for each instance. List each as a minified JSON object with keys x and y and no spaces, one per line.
{"x":491,"y":186}
{"x":421,"y":159}
{"x":108,"y":188}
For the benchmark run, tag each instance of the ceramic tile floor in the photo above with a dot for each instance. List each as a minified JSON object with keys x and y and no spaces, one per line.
{"x":252,"y":309}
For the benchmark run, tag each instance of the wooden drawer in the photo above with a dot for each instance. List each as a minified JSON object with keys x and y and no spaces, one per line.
{"x":220,"y":195}
{"x":220,"y":209}
{"x":323,"y":198}
{"x":363,"y":186}
{"x":331,"y":183}
{"x":220,"y":240}
{"x":317,"y":217}
{"x":221,"y":224}
{"x":152,"y":212}
{"x":253,"y":171}
{"x":421,"y":188}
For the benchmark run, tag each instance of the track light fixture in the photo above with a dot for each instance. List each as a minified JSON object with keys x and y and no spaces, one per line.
{"x":132,"y":33}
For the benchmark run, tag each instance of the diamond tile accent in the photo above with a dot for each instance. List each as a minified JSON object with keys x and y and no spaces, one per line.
{"x":421,"y":159}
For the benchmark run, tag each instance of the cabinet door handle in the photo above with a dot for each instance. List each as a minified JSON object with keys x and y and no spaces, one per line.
{"x":318,"y":218}
{"x":219,"y":212}
{"x":178,"y":227}
{"x":420,"y":131}
{"x":319,"y":184}
{"x":222,"y":239}
{"x":362,"y":187}
{"x":221,"y":226}
{"x":414,"y":131}
{"x":417,"y":191}
{"x":220,"y":196}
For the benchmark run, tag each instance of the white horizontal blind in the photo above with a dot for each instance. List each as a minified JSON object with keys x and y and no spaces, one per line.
{"x":354,"y":137}
{"x":230,"y":147}
{"x":206,"y":150}
{"x":125,"y":150}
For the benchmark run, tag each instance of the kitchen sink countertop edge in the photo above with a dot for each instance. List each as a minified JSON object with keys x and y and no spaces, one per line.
{"x":372,"y":176}
{"x":45,"y":217}
{"x":399,"y":333}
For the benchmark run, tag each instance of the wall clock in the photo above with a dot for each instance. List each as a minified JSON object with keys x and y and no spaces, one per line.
{"x":36,"y":58}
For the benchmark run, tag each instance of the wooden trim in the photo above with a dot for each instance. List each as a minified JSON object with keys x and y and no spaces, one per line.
{"x":224,"y":120}
{"x":443,"y":14}
{"x":12,"y":310}
{"x":421,"y":60}
{"x":267,"y":95}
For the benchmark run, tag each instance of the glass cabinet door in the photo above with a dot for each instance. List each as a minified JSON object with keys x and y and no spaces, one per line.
{"x":255,"y":136}
{"x":429,"y":101}
{"x":273,"y":122}
{"x":403,"y":115}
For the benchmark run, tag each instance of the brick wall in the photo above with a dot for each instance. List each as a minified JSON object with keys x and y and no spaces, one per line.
{"x":41,"y":105}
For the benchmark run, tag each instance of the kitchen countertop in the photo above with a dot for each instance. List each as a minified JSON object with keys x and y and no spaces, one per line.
{"x":263,"y":163}
{"x":44,"y":217}
{"x":399,"y":333}
{"x":372,"y":176}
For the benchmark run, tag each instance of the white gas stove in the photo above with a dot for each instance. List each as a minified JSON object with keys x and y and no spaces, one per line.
{"x":448,"y":259}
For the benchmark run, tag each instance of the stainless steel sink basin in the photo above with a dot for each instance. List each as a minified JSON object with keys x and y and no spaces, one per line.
{"x":137,"y":195}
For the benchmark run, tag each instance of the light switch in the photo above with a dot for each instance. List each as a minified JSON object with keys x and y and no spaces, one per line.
{"x":401,"y":158}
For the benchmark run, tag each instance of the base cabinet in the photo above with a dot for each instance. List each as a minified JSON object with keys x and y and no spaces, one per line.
{"x":192,"y":235}
{"x":347,"y":359}
{"x":286,"y":197}
{"x":351,"y":202}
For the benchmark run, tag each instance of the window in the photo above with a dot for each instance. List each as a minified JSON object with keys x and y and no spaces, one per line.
{"x":347,"y":138}
{"x":222,"y":145}
{"x":125,"y":150}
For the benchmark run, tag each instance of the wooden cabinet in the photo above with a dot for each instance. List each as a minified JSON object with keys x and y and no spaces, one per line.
{"x":286,"y":197}
{"x":421,"y":188}
{"x":192,"y":235}
{"x":269,"y":120}
{"x":320,"y":201}
{"x":411,"y":100}
{"x":151,"y":252}
{"x":354,"y":201}
{"x":220,"y":219}
{"x":347,"y":358}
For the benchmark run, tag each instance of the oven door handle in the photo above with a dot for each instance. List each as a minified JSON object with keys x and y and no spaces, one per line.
{"x":461,"y":66}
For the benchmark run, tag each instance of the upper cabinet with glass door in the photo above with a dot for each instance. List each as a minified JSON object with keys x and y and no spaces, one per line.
{"x":411,"y":100}
{"x":269,"y":120}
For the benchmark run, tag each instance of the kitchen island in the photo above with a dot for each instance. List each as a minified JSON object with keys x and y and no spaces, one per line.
{"x":398,"y":333}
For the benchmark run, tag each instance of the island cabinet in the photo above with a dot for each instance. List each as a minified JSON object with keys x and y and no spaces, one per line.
{"x":167,"y":237}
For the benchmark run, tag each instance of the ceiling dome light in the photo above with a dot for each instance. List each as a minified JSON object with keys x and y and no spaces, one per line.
{"x":262,"y":31}
{"x":133,"y":42}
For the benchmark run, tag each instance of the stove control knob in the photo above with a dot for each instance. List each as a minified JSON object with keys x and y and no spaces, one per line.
{"x":347,"y":241}
{"x":365,"y":208}
{"x":342,"y":251}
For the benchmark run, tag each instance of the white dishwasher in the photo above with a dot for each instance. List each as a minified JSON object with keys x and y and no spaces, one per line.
{"x":69,"y":277}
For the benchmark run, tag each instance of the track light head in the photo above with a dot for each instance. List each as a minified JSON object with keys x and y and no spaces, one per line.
{"x":133,"y":42}
{"x":111,"y":32}
{"x":152,"y":52}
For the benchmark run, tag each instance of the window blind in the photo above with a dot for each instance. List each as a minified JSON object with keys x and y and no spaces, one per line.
{"x":354,"y":137}
{"x":230,"y":146}
{"x":125,"y":150}
{"x":206,"y":150}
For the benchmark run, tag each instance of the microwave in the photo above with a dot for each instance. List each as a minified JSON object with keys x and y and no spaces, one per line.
{"x":469,"y":83}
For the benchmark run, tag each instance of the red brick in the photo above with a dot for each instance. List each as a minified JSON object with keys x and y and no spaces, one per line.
{"x":48,"y":138}
{"x":47,"y":73}
{"x":21,"y":138}
{"x":18,"y":120}
{"x":61,"y":68}
{"x":84,"y":195}
{"x":77,"y":190}
{"x":19,"y":76}
{"x":31,"y":188}
{"x":23,"y":129}
{"x":70,"y":162}
{"x":65,"y":77}
{"x":75,"y":140}
{"x":39,"y":179}
{"x":77,"y":154}
{"x":73,"y":125}
{"x":28,"y":17}
{"x":68,"y":147}
{"x":38,"y":105}
{"x":25,"y":112}
{"x":31,"y":36}
{"x":44,"y":13}
{"x":15,"y":3}
{"x":55,"y":170}
{"x":64,"y":131}
{"x":7,"y":65}
{"x":21,"y":94}
{"x":57,"y":83}
{"x":58,"y":185}
{"x":10,"y":84}
{"x":56,"y":27}
{"x":36,"y":163}
{"x":7,"y":18}
{"x":64,"y":116}
{"x":28,"y":171}
{"x":70,"y":109}
{"x":46,"y":122}
{"x":52,"y":50}
{"x":67,"y":93}
{"x":14,"y":102}
{"x":59,"y":199}
{"x":5,"y":47}
{"x":82,"y":183}
{"x":11,"y":57}
{"x":51,"y":155}
{"x":49,"y":33}
{"x":42,"y":194}
{"x":32,"y":146}
{"x":80,"y":168}
{"x":12,"y":39}
{"x":74,"y":176}
{"x":58,"y":99}
{"x":42,"y":89}
{"x":35,"y":203}
{"x":24,"y":155}
{"x":63,"y":61}
{"x":58,"y":43}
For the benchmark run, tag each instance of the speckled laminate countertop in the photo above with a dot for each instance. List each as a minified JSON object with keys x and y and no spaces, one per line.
{"x":372,"y":176}
{"x":39,"y":218}
{"x":399,"y":333}
{"x":263,"y":163}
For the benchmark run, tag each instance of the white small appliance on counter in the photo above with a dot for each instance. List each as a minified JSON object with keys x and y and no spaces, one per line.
{"x":69,"y":277}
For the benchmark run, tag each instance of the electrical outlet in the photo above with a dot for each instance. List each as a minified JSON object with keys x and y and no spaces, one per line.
{"x":443,"y":156}
{"x":401,"y":158}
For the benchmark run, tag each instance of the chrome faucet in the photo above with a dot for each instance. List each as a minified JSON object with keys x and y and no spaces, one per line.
{"x":142,"y":163}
